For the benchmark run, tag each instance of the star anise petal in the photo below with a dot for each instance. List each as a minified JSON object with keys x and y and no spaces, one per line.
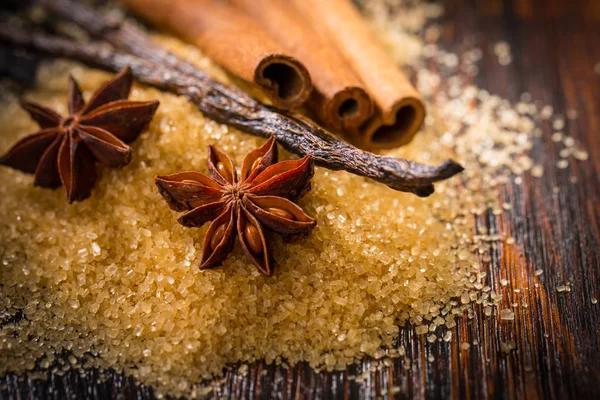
{"x":105,"y":147}
{"x":46,"y":172}
{"x":279,"y":215}
{"x":220,"y":167}
{"x":123,"y":118}
{"x":27,"y":152}
{"x":113,"y":90}
{"x":202,"y":214}
{"x":257,"y":160}
{"x":187,"y":190}
{"x":253,"y":241}
{"x":76,"y":168}
{"x":219,"y":239}
{"x":289,"y":179}
{"x":45,"y":117}
{"x":75,"y":100}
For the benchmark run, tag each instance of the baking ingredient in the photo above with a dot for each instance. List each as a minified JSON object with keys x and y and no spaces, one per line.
{"x":66,"y":149}
{"x":234,"y":41}
{"x":260,"y":199}
{"x":237,"y":109}
{"x":400,"y":110}
{"x":339,"y":99}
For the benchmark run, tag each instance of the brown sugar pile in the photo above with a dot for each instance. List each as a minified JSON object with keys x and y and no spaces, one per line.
{"x":113,"y":281}
{"x":117,"y":276}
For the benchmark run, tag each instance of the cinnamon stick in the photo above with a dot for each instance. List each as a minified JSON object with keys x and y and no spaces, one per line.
{"x":233,"y":107}
{"x":400,"y":110}
{"x":234,"y":41}
{"x":339,"y":98}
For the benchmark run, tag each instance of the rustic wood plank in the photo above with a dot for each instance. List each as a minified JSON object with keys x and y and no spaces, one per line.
{"x":555,"y":47}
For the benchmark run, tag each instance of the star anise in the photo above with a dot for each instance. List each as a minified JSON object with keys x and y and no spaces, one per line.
{"x":66,"y":149}
{"x":261,"y":199}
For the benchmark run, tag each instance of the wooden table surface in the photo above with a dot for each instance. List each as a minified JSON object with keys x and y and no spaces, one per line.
{"x":555,"y":45}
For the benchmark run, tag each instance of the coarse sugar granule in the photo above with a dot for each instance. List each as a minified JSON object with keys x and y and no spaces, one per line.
{"x":537,"y":171}
{"x":113,"y":280}
{"x":507,"y":347}
{"x":507,"y":314}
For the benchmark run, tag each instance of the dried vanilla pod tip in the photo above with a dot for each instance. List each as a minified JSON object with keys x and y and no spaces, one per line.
{"x":262,"y":197}
{"x":66,"y":149}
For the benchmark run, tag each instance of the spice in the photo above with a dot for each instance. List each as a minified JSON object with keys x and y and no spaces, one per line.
{"x":234,"y":41}
{"x":339,"y":99}
{"x":400,"y":110}
{"x":261,"y":198}
{"x":222,"y":103}
{"x":66,"y":149}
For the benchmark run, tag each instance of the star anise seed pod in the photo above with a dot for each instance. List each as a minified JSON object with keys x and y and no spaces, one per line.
{"x":66,"y":149}
{"x":261,"y":198}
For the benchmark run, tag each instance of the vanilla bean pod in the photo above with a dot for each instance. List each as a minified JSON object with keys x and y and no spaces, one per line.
{"x":293,"y":132}
{"x":130,"y":39}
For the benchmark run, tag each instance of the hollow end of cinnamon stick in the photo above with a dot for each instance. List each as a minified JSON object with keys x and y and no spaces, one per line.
{"x":399,"y":110}
{"x":285,"y":80}
{"x":339,"y":99}
{"x":396,"y":127}
{"x":348,"y":109}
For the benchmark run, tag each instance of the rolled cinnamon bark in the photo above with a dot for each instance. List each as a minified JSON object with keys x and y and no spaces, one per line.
{"x":400,"y":111}
{"x":339,"y":98}
{"x":234,"y":41}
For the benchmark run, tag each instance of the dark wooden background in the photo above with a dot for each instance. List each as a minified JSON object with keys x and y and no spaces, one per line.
{"x":555,"y":45}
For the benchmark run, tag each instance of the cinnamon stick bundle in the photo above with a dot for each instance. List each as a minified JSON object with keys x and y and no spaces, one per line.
{"x":234,"y":41}
{"x":339,"y":98}
{"x":400,"y":111}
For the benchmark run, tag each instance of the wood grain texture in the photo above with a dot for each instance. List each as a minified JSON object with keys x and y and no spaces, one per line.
{"x":555,"y":47}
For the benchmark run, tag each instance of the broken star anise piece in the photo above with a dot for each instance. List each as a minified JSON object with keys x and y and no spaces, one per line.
{"x":66,"y":149}
{"x":261,"y":198}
